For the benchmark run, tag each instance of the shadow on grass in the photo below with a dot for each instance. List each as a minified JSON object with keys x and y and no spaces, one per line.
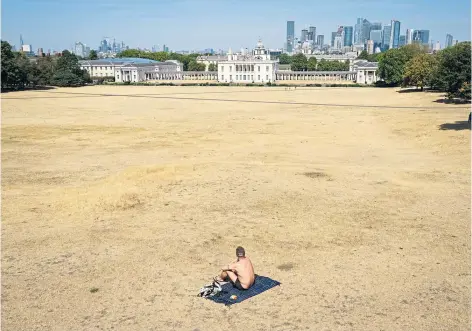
{"x":37,"y":88}
{"x":457,"y":126}
{"x":452,"y":101}
{"x":410,"y":90}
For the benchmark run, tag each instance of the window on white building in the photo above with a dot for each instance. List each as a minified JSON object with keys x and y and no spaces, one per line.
{"x":258,"y":68}
{"x":230,"y":69}
{"x":222,"y":77}
{"x":230,"y":77}
{"x":267,"y":77}
{"x":252,"y":77}
{"x":244,"y":77}
{"x":267,"y":68}
{"x":258,"y":77}
{"x":222,"y":68}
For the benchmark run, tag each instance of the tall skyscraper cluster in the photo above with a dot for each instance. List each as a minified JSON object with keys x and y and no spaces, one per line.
{"x":371,"y":36}
{"x":307,"y":35}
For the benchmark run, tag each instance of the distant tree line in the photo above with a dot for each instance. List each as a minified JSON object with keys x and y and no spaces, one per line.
{"x":299,"y":62}
{"x":19,"y":71}
{"x":189,"y":61}
{"x":448,"y":70}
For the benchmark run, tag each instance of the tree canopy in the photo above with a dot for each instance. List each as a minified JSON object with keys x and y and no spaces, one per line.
{"x":311,"y":65}
{"x":453,"y":72}
{"x":363,"y":56}
{"x":419,"y":70}
{"x":299,"y":62}
{"x":93,"y":55}
{"x":212,"y":67}
{"x":285,"y":59}
{"x":19,"y":71}
{"x":164,"y":56}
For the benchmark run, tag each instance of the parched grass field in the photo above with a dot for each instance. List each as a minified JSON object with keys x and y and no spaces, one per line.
{"x":119,"y":203}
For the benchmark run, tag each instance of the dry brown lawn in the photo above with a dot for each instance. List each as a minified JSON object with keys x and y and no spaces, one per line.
{"x":119,"y":203}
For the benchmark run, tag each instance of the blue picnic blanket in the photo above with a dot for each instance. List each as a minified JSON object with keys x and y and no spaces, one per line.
{"x":261,"y":284}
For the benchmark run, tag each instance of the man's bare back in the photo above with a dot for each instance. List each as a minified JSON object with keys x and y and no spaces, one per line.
{"x":241,"y":272}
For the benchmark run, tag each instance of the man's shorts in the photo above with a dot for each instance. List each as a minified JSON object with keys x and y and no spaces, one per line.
{"x":236,"y":284}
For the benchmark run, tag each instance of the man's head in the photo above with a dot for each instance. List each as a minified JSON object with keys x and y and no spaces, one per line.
{"x":240,"y":252}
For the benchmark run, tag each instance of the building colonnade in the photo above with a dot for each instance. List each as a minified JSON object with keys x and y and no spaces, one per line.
{"x":182,"y":75}
{"x":314,"y":75}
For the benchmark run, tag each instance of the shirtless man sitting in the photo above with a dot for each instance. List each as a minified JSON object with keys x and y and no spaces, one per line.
{"x":241,"y":272}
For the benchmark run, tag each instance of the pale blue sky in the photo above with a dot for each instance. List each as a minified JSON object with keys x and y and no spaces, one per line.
{"x":194,"y":24}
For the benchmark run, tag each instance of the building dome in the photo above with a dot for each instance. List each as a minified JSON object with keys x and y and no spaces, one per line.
{"x":260,"y":44}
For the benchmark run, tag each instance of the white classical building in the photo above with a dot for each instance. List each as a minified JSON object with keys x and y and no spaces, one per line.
{"x":366,"y":72}
{"x":132,"y":70}
{"x":211,"y":59}
{"x":251,"y":68}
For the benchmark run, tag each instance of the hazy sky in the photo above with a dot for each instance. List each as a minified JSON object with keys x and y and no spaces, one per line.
{"x":195,"y":24}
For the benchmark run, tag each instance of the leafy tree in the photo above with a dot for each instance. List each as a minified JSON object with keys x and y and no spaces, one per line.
{"x":8,"y":62}
{"x":93,"y":55}
{"x":392,"y":63}
{"x":324,"y":65}
{"x":464,"y":92}
{"x":363,"y":56}
{"x":419,"y":70}
{"x":285,"y":59}
{"x":299,"y":62}
{"x":66,"y":78}
{"x":45,"y":67}
{"x":67,"y":71}
{"x":453,"y":74}
{"x":212,"y":67}
{"x":391,"y":66}
{"x":311,"y":65}
{"x":374,"y":57}
{"x":195,"y":66}
{"x":128,"y":53}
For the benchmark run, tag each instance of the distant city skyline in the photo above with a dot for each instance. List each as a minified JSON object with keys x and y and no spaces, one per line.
{"x":61,"y":23}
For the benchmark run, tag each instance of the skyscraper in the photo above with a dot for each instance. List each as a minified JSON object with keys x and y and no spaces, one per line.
{"x":421,"y":37}
{"x":79,"y":49}
{"x":365,"y":31}
{"x":376,"y":37}
{"x":312,"y":32}
{"x":402,"y":41}
{"x":409,"y":36}
{"x":320,"y":40}
{"x":348,"y":35}
{"x":304,"y":35}
{"x":387,"y":31}
{"x":333,"y":36}
{"x":358,"y":30}
{"x":395,"y":34}
{"x":376,"y":26}
{"x":290,"y":35}
{"x":448,"y":41}
{"x":370,"y":46}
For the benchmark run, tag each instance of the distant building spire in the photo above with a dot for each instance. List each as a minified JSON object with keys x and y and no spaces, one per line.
{"x":21,"y":40}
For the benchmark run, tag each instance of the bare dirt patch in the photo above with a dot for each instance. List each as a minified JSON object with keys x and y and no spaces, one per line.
{"x":119,"y":203}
